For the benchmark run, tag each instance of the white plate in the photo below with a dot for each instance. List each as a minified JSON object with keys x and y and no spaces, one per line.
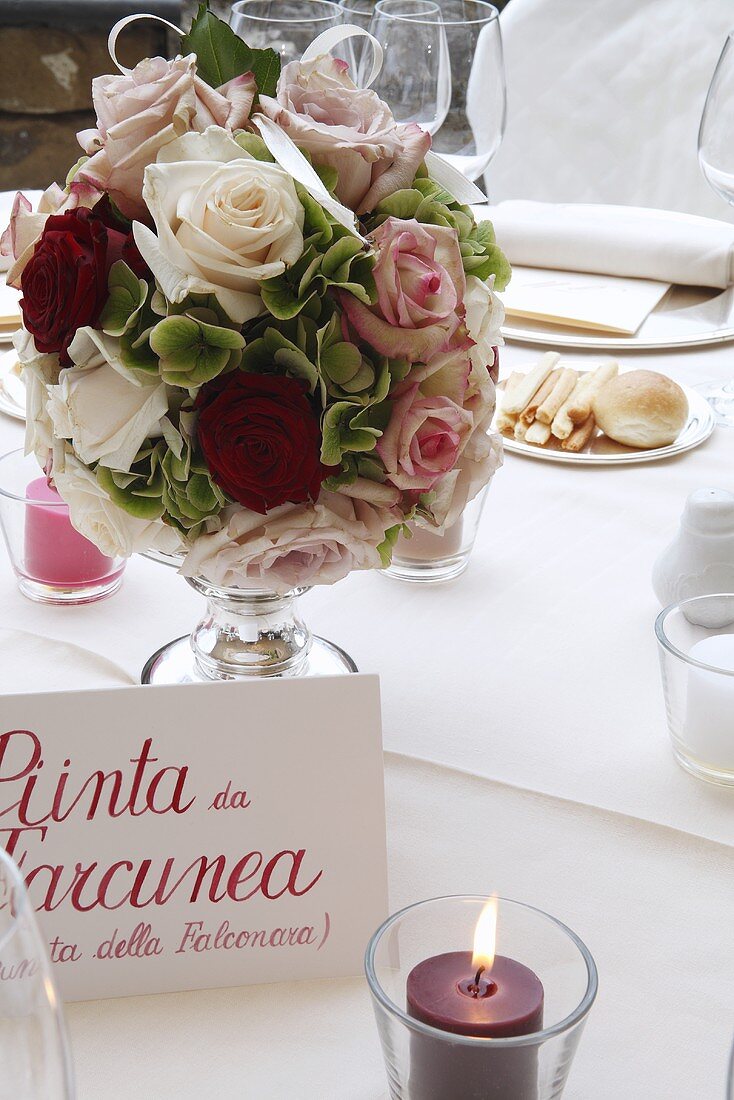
{"x":605,"y":452}
{"x":686,"y":317}
{"x":12,"y":389}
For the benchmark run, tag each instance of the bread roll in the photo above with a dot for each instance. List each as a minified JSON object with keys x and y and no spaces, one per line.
{"x":641,"y":409}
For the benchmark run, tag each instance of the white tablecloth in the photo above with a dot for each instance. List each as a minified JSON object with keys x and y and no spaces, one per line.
{"x":533,"y":683}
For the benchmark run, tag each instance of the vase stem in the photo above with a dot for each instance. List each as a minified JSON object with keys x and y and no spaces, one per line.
{"x":249,"y":634}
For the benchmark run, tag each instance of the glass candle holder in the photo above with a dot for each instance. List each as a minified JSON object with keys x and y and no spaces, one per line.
{"x":696,"y":649}
{"x":430,"y":558}
{"x":51,"y":560}
{"x":425,"y":1062}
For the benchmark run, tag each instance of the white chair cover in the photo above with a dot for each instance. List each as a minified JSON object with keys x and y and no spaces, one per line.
{"x":604,"y":101}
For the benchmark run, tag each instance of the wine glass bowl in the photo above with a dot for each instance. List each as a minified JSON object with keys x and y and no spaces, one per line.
{"x":286,"y":26}
{"x":716,"y":159}
{"x":415,"y":78}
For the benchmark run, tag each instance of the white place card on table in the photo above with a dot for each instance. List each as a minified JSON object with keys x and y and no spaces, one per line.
{"x":198,"y":836}
{"x":577,"y":300}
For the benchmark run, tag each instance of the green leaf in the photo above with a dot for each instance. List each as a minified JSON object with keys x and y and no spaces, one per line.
{"x":221,"y":55}
{"x":127,"y":298}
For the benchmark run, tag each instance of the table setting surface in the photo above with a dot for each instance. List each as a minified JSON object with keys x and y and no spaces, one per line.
{"x":552,"y":711}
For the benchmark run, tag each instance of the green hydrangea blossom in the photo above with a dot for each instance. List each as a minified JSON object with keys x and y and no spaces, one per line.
{"x":168,"y":480}
{"x":332,"y":257}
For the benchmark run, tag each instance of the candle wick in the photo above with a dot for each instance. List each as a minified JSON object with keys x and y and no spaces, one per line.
{"x":480,"y":971}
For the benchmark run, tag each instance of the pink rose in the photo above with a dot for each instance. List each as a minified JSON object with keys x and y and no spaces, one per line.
{"x":348,"y":128}
{"x":420,"y":287}
{"x":423,"y":439}
{"x":295,"y":545}
{"x":139,"y":113}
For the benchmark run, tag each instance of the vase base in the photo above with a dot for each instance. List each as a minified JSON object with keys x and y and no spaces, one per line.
{"x":175,"y":664}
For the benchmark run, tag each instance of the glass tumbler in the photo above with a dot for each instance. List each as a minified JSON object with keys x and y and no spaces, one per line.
{"x":53,"y":563}
{"x":696,"y":649}
{"x":35,"y":1062}
{"x":430,"y":558}
{"x":427,"y":1063}
{"x":286,"y":26}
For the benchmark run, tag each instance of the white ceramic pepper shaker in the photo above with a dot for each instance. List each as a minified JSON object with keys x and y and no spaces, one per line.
{"x":700,"y":559}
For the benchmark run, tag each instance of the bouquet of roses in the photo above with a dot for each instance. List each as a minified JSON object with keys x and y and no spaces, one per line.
{"x":258,"y":330}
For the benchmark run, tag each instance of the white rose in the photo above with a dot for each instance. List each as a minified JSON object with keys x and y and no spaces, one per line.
{"x":106,"y":415}
{"x":225,"y":222}
{"x":39,"y":372}
{"x":293,"y":545}
{"x":115,"y":532}
{"x":484,"y":317}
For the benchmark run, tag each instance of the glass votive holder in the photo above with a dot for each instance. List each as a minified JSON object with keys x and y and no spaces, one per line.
{"x":696,"y":649}
{"x":52,"y":561}
{"x":430,"y":558}
{"x":426,"y":1062}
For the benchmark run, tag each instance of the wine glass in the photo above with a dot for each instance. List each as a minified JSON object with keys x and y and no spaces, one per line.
{"x":286,"y":26}
{"x":474,"y":122}
{"x":35,"y":1062}
{"x":716,"y":157}
{"x":415,"y":79}
{"x":359,"y":14}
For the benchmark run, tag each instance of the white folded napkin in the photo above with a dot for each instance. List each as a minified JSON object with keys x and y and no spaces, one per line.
{"x":615,"y":240}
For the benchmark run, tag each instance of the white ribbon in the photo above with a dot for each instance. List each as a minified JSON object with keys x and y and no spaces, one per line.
{"x":120,"y":26}
{"x":332,"y":37}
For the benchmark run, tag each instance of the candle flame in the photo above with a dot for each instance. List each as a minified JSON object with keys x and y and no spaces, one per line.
{"x":485,"y":936}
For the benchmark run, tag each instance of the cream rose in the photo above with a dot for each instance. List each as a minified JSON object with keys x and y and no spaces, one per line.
{"x":225,"y":222}
{"x":115,"y":532}
{"x":484,"y":317}
{"x":106,"y":415}
{"x":39,"y":373}
{"x":348,"y":128}
{"x":294,"y":545}
{"x":140,"y":112}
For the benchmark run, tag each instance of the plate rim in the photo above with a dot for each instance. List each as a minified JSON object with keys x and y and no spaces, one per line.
{"x":697,"y":405}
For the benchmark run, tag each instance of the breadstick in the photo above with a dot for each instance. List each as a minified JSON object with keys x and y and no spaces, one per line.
{"x":505,"y":422}
{"x":528,"y":413}
{"x":580,"y":436}
{"x":579,"y":408}
{"x":530,"y":382}
{"x":520,"y":430}
{"x":562,"y":424}
{"x":562,"y":390}
{"x":538,"y":433}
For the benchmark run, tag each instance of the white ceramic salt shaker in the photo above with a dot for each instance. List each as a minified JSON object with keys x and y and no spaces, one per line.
{"x":700,"y":559}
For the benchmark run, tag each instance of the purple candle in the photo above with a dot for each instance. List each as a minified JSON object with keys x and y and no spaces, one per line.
{"x":55,"y":553}
{"x":482,"y":995}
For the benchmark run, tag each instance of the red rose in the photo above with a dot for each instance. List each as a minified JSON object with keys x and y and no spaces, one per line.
{"x":64,"y":283}
{"x":261,"y":439}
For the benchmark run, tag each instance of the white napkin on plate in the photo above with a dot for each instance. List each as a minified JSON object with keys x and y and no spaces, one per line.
{"x":628,"y":241}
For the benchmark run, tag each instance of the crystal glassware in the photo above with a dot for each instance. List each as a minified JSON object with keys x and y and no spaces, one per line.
{"x":716,"y":158}
{"x":244,"y":634}
{"x":35,"y":1059}
{"x":696,"y":649}
{"x":53,"y":563}
{"x":286,"y":26}
{"x":358,"y":13}
{"x":430,"y":558}
{"x":538,"y":941}
{"x":415,"y":78}
{"x":467,"y":68}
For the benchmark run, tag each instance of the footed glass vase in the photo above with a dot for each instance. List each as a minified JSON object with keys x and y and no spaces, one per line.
{"x":245,"y":634}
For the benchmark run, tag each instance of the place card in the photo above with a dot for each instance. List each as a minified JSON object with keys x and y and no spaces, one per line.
{"x":197,"y":836}
{"x":578,"y":300}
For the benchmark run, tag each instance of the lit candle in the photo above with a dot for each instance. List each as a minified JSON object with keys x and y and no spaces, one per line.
{"x":709,"y":728}
{"x":482,"y":995}
{"x":55,"y":553}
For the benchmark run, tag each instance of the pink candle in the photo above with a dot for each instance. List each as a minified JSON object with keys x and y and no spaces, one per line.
{"x":426,"y":545}
{"x":55,"y":553}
